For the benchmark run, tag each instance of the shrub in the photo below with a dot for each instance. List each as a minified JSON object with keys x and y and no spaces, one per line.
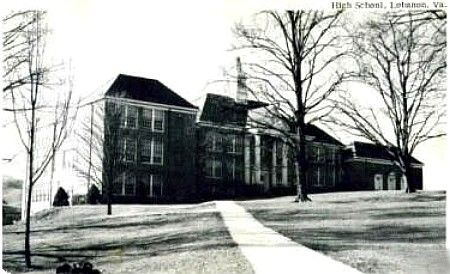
{"x":78,"y":267}
{"x":93,"y":195}
{"x":61,"y":198}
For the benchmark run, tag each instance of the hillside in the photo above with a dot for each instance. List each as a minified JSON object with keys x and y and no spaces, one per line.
{"x":12,"y":191}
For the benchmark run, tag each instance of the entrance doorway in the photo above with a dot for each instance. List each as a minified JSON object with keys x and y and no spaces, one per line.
{"x":392,"y":181}
{"x":378,"y":182}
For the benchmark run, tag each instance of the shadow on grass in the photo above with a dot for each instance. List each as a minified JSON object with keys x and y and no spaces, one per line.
{"x":335,"y":239}
{"x":158,"y":244}
{"x":117,"y":223}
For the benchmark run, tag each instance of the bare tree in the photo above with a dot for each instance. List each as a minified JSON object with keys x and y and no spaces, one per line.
{"x":101,"y":154}
{"x":40,"y":105}
{"x":15,"y":47}
{"x":401,"y":57}
{"x":293,"y":62}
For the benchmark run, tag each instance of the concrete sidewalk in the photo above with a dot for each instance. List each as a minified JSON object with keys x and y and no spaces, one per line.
{"x":270,"y":252}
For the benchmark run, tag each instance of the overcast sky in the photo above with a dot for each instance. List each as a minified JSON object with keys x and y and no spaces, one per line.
{"x":184,"y":44}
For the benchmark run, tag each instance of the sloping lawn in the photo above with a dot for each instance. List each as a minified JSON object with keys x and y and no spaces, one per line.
{"x":375,"y":232}
{"x":135,"y":239}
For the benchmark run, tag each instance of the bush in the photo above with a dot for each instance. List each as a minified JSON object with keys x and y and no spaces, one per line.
{"x":61,"y":198}
{"x":77,"y":267}
{"x":93,"y":195}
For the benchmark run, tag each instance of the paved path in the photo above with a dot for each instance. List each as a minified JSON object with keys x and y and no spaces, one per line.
{"x":271,"y":252}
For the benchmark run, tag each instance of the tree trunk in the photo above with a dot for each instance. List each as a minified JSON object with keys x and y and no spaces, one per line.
{"x":302,"y":187}
{"x":411,"y":187}
{"x":27,"y":227}
{"x":28,"y":200}
{"x":108,"y":197}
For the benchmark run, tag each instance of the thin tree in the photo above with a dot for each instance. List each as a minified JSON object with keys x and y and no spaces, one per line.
{"x":15,"y":48}
{"x":291,"y":65}
{"x":40,"y":105}
{"x":401,"y":57}
{"x":101,"y":154}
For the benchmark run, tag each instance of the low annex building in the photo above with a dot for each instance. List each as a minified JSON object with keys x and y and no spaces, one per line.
{"x":370,"y":167}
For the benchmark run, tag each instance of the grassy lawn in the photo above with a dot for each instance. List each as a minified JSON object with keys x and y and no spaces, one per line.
{"x":136,"y":239}
{"x":375,"y":232}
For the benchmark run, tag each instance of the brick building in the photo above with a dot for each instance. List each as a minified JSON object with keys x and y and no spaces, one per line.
{"x":370,"y":167}
{"x":156,"y":141}
{"x":173,"y":151}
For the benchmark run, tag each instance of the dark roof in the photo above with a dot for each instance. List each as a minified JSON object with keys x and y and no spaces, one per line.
{"x":374,"y":151}
{"x":221,"y":109}
{"x":320,"y":135}
{"x":148,"y":90}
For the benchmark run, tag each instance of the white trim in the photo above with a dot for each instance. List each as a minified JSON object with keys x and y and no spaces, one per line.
{"x":210,"y":124}
{"x":378,"y":161}
{"x":154,"y":105}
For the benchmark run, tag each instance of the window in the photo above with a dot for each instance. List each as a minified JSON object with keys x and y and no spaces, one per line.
{"x":117,"y":185}
{"x":319,"y":154}
{"x":128,"y":115}
{"x":214,"y":142}
{"x":132,"y":114}
{"x":332,"y":155}
{"x":317,"y":176}
{"x":238,"y":144}
{"x":120,"y":149}
{"x":217,"y":144}
{"x":130,"y":150}
{"x":120,"y":110}
{"x":234,"y":144}
{"x":157,"y":151}
{"x":147,"y":118}
{"x":231,"y":168}
{"x":129,"y":185}
{"x":146,"y":151}
{"x":156,"y":185}
{"x":158,"y":122}
{"x":213,"y":168}
{"x":124,"y":184}
{"x":228,"y":143}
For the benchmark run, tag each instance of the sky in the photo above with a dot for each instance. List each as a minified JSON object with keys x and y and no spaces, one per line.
{"x":183,"y":44}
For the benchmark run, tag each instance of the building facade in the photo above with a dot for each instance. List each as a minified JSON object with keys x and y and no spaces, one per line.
{"x":171,"y":151}
{"x":155,"y":142}
{"x":370,"y":167}
{"x":156,"y":147}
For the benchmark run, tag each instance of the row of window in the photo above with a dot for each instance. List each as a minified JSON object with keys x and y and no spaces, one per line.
{"x":322,"y":176}
{"x":150,"y":118}
{"x":125,"y":184}
{"x":229,"y":143}
{"x":319,"y":154}
{"x":152,"y":150}
{"x":214,"y":168}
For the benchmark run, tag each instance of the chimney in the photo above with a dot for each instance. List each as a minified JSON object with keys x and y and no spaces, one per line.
{"x":241,"y":91}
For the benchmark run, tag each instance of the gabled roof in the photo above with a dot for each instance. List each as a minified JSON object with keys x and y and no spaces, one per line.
{"x":222,"y":109}
{"x":374,"y":151}
{"x":148,"y":90}
{"x":320,"y":135}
